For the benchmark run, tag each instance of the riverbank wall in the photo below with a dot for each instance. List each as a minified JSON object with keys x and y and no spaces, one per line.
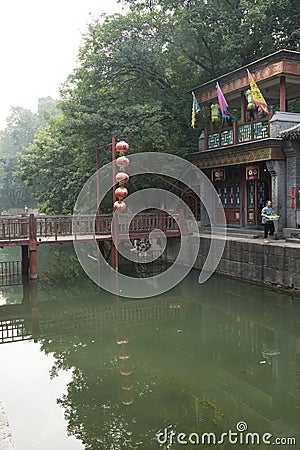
{"x":276,"y":263}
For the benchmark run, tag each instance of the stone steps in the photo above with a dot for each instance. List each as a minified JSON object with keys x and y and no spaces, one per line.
{"x":293,"y":240}
{"x":238,"y":233}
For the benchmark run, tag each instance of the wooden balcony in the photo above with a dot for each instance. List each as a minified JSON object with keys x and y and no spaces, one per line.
{"x":237,"y":134}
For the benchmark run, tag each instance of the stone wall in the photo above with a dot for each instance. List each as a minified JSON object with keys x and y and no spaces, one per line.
{"x":282,"y":121}
{"x":277,"y":169}
{"x":292,"y":151}
{"x":250,"y":260}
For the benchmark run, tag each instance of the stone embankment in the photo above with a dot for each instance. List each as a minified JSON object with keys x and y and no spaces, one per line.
{"x":276,"y":263}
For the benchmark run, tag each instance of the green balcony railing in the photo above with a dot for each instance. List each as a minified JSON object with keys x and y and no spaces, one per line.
{"x":238,"y":134}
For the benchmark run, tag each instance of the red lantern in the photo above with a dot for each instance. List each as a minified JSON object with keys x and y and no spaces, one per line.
{"x":122,"y":177}
{"x":119,"y":206}
{"x":122,"y":161}
{"x":121,"y":192}
{"x":122,"y":146}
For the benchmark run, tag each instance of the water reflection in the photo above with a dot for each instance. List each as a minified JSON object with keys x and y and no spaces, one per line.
{"x":20,"y":321}
{"x":197,"y":359}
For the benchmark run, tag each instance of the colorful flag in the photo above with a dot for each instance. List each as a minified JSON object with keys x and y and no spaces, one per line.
{"x":258,"y":98}
{"x":223,"y":104}
{"x":195,"y":110}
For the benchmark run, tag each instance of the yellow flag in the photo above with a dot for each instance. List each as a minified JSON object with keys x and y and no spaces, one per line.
{"x":258,"y":98}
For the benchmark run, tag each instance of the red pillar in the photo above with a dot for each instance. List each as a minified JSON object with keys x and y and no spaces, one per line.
{"x":114,"y":256}
{"x":205,"y":140}
{"x":32,"y":247}
{"x":235,"y":132}
{"x":97,"y":224}
{"x":243,"y":107}
{"x":113,"y":158}
{"x":282,"y":94}
{"x":98,"y":180}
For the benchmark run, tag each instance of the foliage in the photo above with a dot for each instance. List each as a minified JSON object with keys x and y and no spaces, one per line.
{"x":65,"y":271}
{"x":13,"y":194}
{"x":132,"y":80}
{"x":219,"y":36}
{"x":21,"y":126}
{"x":50,"y":164}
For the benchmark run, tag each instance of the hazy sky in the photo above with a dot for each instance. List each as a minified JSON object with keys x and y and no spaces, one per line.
{"x":39,"y":41}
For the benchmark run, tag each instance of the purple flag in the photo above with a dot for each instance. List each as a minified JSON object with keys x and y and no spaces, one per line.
{"x":223,"y":104}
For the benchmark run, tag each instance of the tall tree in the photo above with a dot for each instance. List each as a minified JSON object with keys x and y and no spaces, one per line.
{"x":21,"y":126}
{"x":51,"y":165}
{"x":220,"y":35}
{"x":134,"y":74}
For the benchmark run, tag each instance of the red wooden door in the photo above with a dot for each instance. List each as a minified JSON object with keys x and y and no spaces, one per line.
{"x":230,"y":194}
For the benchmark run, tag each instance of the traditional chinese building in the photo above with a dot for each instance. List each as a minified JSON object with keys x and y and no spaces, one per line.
{"x":253,"y":158}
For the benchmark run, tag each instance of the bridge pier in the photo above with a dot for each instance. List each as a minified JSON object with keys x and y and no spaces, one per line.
{"x":25,"y":259}
{"x":114,"y":256}
{"x":33,"y":264}
{"x":34,"y":309}
{"x":32,"y":247}
{"x":26,"y":290}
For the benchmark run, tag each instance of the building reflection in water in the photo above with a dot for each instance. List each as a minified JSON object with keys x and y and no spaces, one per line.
{"x":201,"y":357}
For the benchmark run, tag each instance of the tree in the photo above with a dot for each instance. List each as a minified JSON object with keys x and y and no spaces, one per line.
{"x":20,"y":129}
{"x":134,"y":74}
{"x":121,"y":88}
{"x":21,"y":126}
{"x":220,"y":35}
{"x":50,"y":165}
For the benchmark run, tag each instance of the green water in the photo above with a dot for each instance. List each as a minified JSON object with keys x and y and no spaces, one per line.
{"x":100,"y":373}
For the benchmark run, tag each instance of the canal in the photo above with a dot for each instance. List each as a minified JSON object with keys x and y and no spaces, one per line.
{"x":82,"y":369}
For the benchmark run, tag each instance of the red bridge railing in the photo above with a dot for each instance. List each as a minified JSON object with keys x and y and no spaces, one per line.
{"x":141,"y":223}
{"x":14,"y":227}
{"x":20,"y":227}
{"x":49,"y":226}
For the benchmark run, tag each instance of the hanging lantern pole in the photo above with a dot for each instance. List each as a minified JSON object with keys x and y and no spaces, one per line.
{"x":114,"y":245}
{"x":98,"y":180}
{"x":119,"y":193}
{"x":119,"y":206}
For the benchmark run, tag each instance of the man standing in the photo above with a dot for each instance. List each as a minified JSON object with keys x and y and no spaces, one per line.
{"x":267,"y":223}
